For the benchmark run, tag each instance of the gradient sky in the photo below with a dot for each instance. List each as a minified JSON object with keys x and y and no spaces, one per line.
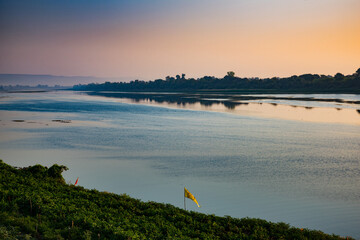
{"x":152,"y":39}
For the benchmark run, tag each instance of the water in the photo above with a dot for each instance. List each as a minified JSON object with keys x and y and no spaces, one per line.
{"x":251,"y":160}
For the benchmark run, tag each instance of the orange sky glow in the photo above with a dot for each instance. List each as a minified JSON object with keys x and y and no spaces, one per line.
{"x":253,"y":38}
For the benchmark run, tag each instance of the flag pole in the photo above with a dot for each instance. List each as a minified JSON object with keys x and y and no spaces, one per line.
{"x":184,"y":200}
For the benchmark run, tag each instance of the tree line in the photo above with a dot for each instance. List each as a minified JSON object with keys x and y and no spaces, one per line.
{"x":305,"y":82}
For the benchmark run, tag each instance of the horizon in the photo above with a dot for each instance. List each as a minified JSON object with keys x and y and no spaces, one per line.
{"x":34,"y":80}
{"x":25,"y":79}
{"x":147,"y":41}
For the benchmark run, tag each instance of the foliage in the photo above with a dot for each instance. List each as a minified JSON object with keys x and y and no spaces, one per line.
{"x":305,"y":82}
{"x":35,"y":203}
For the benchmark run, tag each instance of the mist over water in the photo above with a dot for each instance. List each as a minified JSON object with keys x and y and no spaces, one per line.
{"x":236,"y":161}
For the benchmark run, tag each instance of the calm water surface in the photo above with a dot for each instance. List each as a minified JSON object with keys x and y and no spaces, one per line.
{"x":260,"y":160}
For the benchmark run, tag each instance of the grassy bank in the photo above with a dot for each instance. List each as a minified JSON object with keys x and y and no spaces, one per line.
{"x":35,"y":202}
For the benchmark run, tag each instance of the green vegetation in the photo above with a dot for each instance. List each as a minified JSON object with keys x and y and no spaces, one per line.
{"x":306,"y":83}
{"x":35,"y":202}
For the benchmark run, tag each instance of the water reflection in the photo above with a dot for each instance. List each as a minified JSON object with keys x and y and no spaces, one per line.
{"x":324,"y":110}
{"x":226,"y":99}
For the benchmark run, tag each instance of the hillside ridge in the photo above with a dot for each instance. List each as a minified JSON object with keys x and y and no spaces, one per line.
{"x":36,"y":203}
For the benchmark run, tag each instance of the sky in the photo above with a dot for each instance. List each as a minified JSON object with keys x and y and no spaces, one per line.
{"x":140,"y":39}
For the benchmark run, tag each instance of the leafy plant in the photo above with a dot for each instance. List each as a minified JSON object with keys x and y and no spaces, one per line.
{"x":36,"y":203}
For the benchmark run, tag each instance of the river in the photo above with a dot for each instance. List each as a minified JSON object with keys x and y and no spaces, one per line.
{"x":284,"y":158}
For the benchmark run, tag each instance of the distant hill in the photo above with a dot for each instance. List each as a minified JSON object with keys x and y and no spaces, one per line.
{"x":50,"y":80}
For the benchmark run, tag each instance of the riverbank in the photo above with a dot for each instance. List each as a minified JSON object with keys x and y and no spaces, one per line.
{"x":36,"y":203}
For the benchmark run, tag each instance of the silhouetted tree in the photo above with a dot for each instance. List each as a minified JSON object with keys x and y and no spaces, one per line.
{"x":339,"y":76}
{"x":231,"y":74}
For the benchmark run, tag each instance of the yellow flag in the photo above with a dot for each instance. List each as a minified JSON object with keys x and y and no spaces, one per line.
{"x":190,"y":196}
